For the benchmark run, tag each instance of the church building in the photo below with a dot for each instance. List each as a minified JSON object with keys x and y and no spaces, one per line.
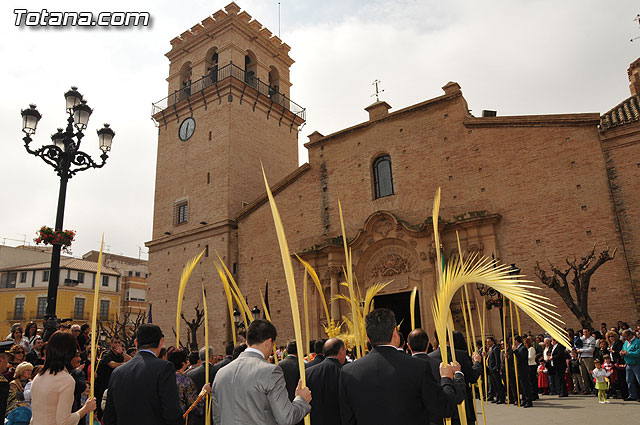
{"x":523,"y":189}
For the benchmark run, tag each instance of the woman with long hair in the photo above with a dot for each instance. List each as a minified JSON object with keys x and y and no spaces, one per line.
{"x":17,"y":336}
{"x":30,"y":334}
{"x":52,"y":390}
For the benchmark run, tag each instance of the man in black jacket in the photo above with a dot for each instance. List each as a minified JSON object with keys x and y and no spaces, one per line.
{"x":197,"y":375}
{"x":228,"y":349}
{"x":493,"y":369}
{"x":522,"y":362}
{"x":289,"y":366}
{"x":418,"y":342}
{"x":318,"y":348}
{"x":323,"y":380}
{"x":389,"y":387}
{"x":559,"y":365}
{"x":144,"y":390}
{"x":472,"y":369}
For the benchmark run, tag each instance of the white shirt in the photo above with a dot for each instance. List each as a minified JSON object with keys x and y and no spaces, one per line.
{"x":254,"y":350}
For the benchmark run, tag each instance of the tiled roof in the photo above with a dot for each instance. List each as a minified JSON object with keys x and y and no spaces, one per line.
{"x":626,"y":112}
{"x":69,"y":263}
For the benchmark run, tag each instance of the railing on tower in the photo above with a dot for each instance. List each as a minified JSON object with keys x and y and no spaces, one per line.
{"x":229,"y":71}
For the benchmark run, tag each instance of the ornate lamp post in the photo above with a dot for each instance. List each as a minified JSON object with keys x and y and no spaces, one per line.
{"x":255,"y":311}
{"x":495,"y":295}
{"x":64,"y":155}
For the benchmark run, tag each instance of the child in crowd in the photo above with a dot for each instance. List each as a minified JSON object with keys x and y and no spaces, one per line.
{"x":574,"y":370}
{"x":610,"y":368}
{"x":543,"y":378}
{"x":600,"y":377}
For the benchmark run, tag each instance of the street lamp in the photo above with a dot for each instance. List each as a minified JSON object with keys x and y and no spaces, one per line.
{"x":236,"y":317}
{"x":64,"y":155}
{"x":255,"y":311}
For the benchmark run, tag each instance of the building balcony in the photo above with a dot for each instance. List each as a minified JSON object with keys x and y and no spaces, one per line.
{"x":219,"y":75}
{"x":16,"y":315}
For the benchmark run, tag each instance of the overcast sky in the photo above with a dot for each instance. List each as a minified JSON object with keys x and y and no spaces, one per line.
{"x":517,"y":57}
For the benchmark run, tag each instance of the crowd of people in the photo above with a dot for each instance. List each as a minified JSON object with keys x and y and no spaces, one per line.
{"x":605,"y":363}
{"x":49,"y":382}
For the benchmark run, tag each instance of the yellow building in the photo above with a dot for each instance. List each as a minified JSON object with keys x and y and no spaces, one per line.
{"x":23,"y":293}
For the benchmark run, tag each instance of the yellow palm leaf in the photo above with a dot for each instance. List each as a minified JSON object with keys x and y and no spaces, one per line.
{"x":318,"y":285}
{"x":186,"y":273}
{"x":474,"y":269}
{"x":207,"y":355}
{"x":266,"y":313}
{"x":291,"y":283}
{"x":242,"y":302}
{"x":227,"y":292}
{"x":412,"y":306}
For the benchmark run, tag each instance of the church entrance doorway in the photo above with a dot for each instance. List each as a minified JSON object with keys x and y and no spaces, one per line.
{"x":399,"y":304}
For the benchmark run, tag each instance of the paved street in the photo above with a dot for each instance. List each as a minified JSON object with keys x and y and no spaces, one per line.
{"x":552,"y":410}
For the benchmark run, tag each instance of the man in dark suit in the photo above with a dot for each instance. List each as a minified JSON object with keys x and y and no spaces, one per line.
{"x":144,"y":390}
{"x":559,"y":365}
{"x":290,"y":368}
{"x":197,"y":375}
{"x":389,"y":387}
{"x":318,"y":348}
{"x":522,"y":361}
{"x":472,"y":369}
{"x":228,"y":349}
{"x":323,"y":380}
{"x":493,"y":369}
{"x":418,"y":343}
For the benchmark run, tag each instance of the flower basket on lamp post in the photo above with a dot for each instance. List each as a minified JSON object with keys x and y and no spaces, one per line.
{"x":48,"y":236}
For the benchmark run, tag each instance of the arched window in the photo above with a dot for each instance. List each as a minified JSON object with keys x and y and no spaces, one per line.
{"x":250,"y":69}
{"x":185,"y":81}
{"x":211,"y":61}
{"x":382,"y":178}
{"x":274,"y":84}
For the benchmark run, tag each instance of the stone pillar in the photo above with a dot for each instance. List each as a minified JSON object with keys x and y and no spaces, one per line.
{"x":335,"y":291}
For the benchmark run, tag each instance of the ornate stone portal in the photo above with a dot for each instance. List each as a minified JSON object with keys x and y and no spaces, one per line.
{"x":388,"y":249}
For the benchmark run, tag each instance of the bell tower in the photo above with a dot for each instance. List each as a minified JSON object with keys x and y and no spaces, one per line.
{"x":227,"y":111}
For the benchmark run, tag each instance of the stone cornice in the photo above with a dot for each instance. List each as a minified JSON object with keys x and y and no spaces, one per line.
{"x":222,"y":19}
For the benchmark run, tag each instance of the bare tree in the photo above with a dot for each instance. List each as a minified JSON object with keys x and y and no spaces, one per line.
{"x":577,"y":276}
{"x":193,"y":325}
{"x":124,"y":326}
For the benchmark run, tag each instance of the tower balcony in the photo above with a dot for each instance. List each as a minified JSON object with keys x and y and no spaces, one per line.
{"x":252,"y":89}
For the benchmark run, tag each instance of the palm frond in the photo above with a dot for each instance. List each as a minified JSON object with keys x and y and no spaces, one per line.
{"x":412,"y":306}
{"x":291,"y":283}
{"x":475,"y":269}
{"x":186,"y":273}
{"x":316,"y":282}
{"x":227,"y":293}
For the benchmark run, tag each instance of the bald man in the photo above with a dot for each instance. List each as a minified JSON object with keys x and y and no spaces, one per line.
{"x":323,"y":380}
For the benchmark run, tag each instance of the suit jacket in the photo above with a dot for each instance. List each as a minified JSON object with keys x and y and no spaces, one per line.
{"x":291,"y":372}
{"x":471,"y":373}
{"x":389,"y":387}
{"x":493,"y":359}
{"x":197,"y":375}
{"x":222,"y":363}
{"x":143,"y":391}
{"x":250,"y":390}
{"x":559,"y":359}
{"x":522,"y":358}
{"x":317,"y":360}
{"x":323,"y":380}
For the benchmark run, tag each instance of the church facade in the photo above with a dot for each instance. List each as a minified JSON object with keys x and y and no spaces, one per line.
{"x":523,"y":189}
